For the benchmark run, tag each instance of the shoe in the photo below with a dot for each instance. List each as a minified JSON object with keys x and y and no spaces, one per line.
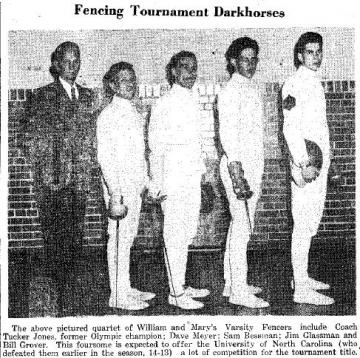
{"x":141,"y":295}
{"x":254,"y":290}
{"x":185,"y":302}
{"x":313,"y":284}
{"x":196,"y":292}
{"x":307,"y":295}
{"x":129,"y":303}
{"x":317,"y":285}
{"x":248,"y":300}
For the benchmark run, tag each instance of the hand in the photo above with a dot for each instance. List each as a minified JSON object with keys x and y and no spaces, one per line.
{"x":117,"y":210}
{"x":205,"y":178}
{"x":336,"y":179}
{"x":309,"y":173}
{"x":240,"y":185}
{"x":334,"y":170}
{"x":289,"y":102}
{"x":152,"y":199}
{"x":243,"y":191}
{"x":143,"y":108}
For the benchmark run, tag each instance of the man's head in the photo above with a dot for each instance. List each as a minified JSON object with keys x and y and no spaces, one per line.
{"x":65,"y":61}
{"x":120,"y":80}
{"x":182,"y":69}
{"x":308,"y":51}
{"x":242,"y":57}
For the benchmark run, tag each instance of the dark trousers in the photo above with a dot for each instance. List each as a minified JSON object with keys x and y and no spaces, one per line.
{"x":61,"y":214}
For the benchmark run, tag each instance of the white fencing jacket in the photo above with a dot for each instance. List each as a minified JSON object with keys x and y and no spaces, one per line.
{"x":176,"y":166}
{"x":175,"y":141}
{"x":241,"y":124}
{"x":121,"y":148}
{"x":307,"y":119}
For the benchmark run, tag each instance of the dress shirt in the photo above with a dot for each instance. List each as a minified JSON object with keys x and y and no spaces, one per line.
{"x":67,"y":88}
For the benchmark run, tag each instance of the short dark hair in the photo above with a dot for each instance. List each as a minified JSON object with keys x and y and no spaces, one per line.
{"x":173,"y":63}
{"x":110,"y":76}
{"x":235,"y":49}
{"x":304,"y":39}
{"x":58,"y":55}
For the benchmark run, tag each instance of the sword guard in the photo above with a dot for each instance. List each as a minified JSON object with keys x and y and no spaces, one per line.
{"x":244,"y":195}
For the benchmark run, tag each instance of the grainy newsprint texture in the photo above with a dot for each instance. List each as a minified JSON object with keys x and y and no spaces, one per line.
{"x":67,"y":257}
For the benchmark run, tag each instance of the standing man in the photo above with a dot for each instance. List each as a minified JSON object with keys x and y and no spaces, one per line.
{"x":242,"y":165}
{"x":121,"y":154}
{"x":305,"y":118}
{"x":176,"y":166}
{"x":61,"y":149}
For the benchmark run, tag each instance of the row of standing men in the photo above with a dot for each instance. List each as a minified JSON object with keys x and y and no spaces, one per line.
{"x":60,"y":146}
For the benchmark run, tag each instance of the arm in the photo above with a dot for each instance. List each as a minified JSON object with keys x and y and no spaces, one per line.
{"x":292,"y":126}
{"x":84,"y":141}
{"x":33,"y":127}
{"x":40,"y":138}
{"x":157,"y":150}
{"x":26,"y":123}
{"x":107,"y":143}
{"x":230,"y":126}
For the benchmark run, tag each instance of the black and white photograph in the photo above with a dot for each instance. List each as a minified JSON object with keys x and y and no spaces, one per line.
{"x":188,"y":171}
{"x":179,"y":179}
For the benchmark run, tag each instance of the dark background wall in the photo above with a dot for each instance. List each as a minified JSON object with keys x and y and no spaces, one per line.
{"x":273,"y":214}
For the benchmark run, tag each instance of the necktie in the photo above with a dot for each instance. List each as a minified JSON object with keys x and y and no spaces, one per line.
{"x":74,"y":109}
{"x":73,"y":95}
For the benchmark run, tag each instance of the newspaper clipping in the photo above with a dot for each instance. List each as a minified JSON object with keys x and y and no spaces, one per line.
{"x":178,"y":179}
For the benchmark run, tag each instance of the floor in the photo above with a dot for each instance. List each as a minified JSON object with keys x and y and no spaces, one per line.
{"x":87,"y":289}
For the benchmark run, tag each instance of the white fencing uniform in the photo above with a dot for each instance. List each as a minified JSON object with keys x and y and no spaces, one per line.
{"x":121,"y":149}
{"x":176,"y":167}
{"x":241,"y":133}
{"x":307,"y":120}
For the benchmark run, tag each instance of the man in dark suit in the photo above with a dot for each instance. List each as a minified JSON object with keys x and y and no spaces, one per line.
{"x":60,"y":145}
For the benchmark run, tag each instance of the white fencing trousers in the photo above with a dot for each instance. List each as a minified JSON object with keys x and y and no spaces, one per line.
{"x":181,"y":215}
{"x":120,"y":281}
{"x":235,"y":259}
{"x":307,"y":209}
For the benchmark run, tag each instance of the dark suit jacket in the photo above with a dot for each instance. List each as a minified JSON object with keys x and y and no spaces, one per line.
{"x":61,"y":137}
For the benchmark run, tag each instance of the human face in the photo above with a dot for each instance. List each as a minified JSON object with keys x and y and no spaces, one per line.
{"x":246,"y":63}
{"x":311,"y":56}
{"x":185,"y":72}
{"x":124,"y":84}
{"x":69,"y":65}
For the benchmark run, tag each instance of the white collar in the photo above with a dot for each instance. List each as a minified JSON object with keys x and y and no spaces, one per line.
{"x":306,"y":72}
{"x":177,"y":88}
{"x":236,"y":77}
{"x":119,"y":101}
{"x":67,"y":88}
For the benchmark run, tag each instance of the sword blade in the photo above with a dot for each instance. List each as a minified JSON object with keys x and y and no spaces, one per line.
{"x":117,"y":258}
{"x":248,"y":215}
